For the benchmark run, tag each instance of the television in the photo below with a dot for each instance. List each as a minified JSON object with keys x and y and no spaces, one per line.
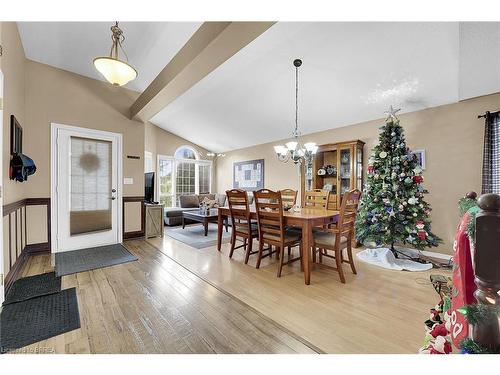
{"x":149,"y":187}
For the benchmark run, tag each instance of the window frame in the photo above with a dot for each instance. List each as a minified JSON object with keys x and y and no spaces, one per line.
{"x":175,"y":161}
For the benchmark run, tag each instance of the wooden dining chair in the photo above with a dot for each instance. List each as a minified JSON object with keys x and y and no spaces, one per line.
{"x":339,"y":237}
{"x":271,"y":225}
{"x":289,"y":197}
{"x":242,"y":225}
{"x":316,"y":198}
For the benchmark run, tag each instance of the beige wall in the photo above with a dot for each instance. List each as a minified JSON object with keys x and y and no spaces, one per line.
{"x":57,"y":96}
{"x":161,"y":142}
{"x":12,"y":65}
{"x":451,"y":135}
{"x":13,"y":69}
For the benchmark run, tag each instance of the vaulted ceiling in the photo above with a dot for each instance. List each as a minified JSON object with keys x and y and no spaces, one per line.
{"x":351,"y":72}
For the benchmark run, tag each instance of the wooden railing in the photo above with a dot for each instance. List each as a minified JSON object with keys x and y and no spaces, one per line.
{"x":487,"y":267}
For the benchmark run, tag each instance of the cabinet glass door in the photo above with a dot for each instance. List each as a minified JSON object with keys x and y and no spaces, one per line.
{"x":359,"y":168}
{"x":345,"y":170}
{"x":308,"y":176}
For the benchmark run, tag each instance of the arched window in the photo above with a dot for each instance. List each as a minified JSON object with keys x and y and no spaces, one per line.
{"x":183,"y":174}
{"x":186,"y":152}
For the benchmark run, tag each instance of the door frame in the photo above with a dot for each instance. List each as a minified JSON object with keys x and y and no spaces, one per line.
{"x":55,"y":127}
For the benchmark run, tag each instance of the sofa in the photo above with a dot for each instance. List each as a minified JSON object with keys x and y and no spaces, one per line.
{"x":173,"y":215}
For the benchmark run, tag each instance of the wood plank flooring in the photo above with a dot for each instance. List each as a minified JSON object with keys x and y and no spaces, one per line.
{"x":376,"y":311}
{"x":154,"y":305}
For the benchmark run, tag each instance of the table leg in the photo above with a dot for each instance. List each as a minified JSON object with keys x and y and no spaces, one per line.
{"x":219,"y":230}
{"x":183,"y":222}
{"x":205,"y":224}
{"x":306,"y":254}
{"x":226,"y":223}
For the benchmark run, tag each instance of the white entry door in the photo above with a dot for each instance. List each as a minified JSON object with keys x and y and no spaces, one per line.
{"x":87,"y":188}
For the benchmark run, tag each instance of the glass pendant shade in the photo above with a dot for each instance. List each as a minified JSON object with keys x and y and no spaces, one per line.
{"x":291,"y":145}
{"x":115,"y":71}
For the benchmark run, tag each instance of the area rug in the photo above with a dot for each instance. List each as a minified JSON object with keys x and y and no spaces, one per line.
{"x":194,"y":235}
{"x":70,"y":262}
{"x":24,"y":323}
{"x":383,"y":257}
{"x":33,"y":286}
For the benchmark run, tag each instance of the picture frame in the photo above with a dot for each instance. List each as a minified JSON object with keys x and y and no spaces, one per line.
{"x":16,"y":136}
{"x":248,"y":175}
{"x":420,"y":154}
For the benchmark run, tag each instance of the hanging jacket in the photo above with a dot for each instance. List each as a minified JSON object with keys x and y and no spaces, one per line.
{"x":21,"y":166}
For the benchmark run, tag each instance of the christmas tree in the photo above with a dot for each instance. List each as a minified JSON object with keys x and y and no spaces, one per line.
{"x":392,"y":209}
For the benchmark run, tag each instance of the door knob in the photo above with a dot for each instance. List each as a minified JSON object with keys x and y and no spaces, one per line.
{"x":113,"y":190}
{"x":113,"y":198}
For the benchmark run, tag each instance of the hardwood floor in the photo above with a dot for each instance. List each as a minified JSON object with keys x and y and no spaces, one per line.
{"x":376,"y":311}
{"x":154,"y":305}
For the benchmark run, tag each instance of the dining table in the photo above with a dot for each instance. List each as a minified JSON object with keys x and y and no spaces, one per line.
{"x":305,"y":218}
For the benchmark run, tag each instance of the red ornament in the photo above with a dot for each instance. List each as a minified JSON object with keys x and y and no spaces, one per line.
{"x":422,"y":235}
{"x":439,"y":330}
{"x":370,"y":169}
{"x":418,"y":179}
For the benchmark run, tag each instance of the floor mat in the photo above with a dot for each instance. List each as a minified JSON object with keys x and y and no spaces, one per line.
{"x":37,"y":319}
{"x":33,"y":286}
{"x":70,"y":262}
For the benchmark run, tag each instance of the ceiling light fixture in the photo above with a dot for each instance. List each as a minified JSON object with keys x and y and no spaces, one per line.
{"x":294,"y":150}
{"x":116,"y":71}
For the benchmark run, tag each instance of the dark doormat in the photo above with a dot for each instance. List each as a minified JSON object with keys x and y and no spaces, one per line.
{"x":37,"y":319}
{"x":33,"y":286}
{"x":83,"y":260}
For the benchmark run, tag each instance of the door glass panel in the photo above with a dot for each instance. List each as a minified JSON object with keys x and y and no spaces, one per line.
{"x":345,"y":170}
{"x":90,"y":185}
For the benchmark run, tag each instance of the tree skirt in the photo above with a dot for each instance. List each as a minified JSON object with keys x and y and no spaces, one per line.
{"x":383,"y":257}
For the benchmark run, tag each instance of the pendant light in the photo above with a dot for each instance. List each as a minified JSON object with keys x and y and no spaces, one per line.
{"x":294,"y":150}
{"x":116,"y":71}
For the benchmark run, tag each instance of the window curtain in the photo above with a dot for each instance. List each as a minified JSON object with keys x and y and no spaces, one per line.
{"x":491,"y":155}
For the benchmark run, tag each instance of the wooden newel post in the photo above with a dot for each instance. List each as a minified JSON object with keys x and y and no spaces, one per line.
{"x":487,"y":266}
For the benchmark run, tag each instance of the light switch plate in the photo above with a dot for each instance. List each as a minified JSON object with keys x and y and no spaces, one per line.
{"x":128,"y":181}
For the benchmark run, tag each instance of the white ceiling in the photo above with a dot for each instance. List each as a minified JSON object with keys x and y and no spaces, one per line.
{"x":351,"y":72}
{"x":74,"y":45}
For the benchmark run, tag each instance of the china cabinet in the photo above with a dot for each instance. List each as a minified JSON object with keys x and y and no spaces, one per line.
{"x":337,"y":167}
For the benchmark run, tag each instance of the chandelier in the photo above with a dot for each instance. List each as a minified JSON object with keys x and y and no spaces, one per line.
{"x":116,"y":71}
{"x":294,"y":150}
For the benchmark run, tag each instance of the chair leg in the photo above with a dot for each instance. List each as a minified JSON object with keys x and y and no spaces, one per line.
{"x":245,"y":243}
{"x":351,"y":261}
{"x":249,"y":249}
{"x":282,"y":255}
{"x":321,"y":255}
{"x":314,"y":254}
{"x":233,"y":244}
{"x":259,"y":255}
{"x":338,"y":260}
{"x":289,"y":252}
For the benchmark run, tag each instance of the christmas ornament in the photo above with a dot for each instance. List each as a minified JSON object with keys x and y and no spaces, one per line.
{"x":383,"y":155}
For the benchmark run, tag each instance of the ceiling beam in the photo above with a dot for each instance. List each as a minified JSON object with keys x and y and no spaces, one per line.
{"x":209,"y":47}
